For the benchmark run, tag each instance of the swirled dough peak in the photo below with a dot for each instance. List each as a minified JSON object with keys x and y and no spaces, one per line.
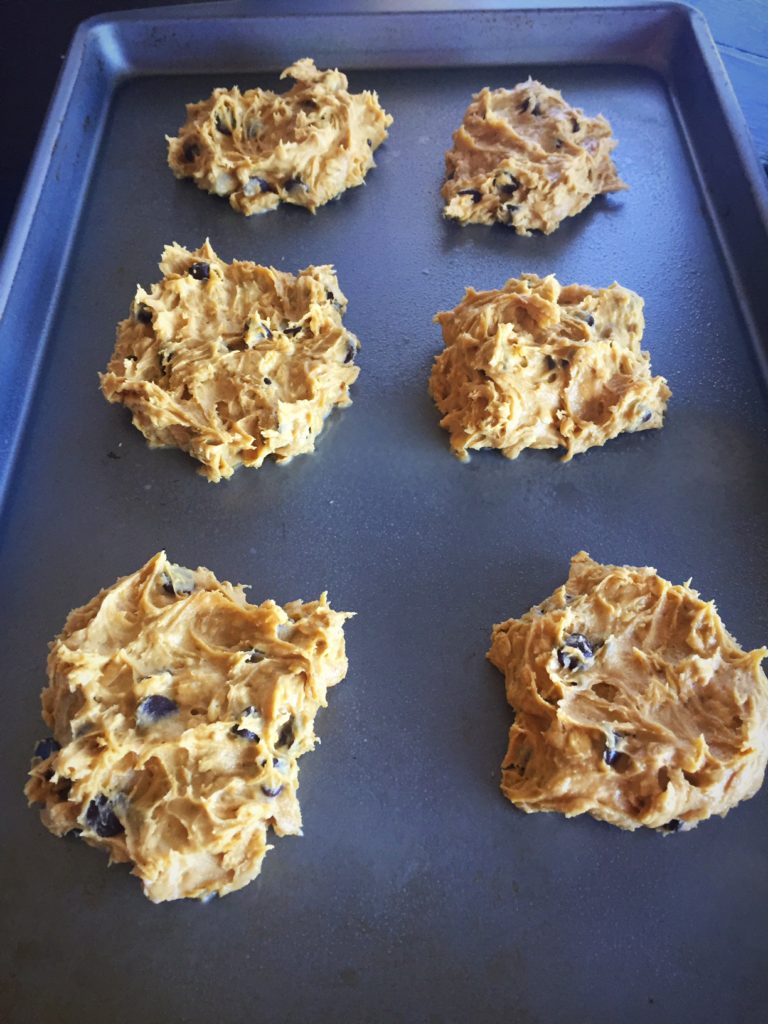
{"x":304,"y":146}
{"x":233,"y":362}
{"x":633,"y":703}
{"x":538,"y":365}
{"x":178,"y":712}
{"x":525,"y":158}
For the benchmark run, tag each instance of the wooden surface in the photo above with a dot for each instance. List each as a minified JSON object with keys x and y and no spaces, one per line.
{"x":34,"y":37}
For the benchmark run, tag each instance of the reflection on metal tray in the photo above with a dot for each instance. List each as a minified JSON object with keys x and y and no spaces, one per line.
{"x":417,"y":891}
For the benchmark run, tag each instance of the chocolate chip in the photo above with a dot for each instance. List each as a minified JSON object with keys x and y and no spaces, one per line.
{"x":476,"y":195}
{"x":673,"y":826}
{"x":524,"y":105}
{"x":240,"y":730}
{"x":610,"y":756}
{"x":255,"y":185}
{"x":574,"y":125}
{"x":510,"y":208}
{"x":222,"y":126}
{"x":101,"y":818}
{"x":536,"y":110}
{"x":370,"y":144}
{"x":46,"y":747}
{"x":647,"y":416}
{"x":255,"y":656}
{"x":507,"y":188}
{"x":200,"y":271}
{"x":144,"y":314}
{"x":589,"y":320}
{"x":245,"y":734}
{"x":579,"y":643}
{"x":272,"y":790}
{"x":286,"y":737}
{"x":267,"y":380}
{"x":191,"y":152}
{"x":551,"y":363}
{"x":558,"y":143}
{"x":157,"y":706}
{"x":292,"y":331}
{"x":351,"y":352}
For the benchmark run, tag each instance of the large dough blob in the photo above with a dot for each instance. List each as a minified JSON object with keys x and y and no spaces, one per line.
{"x":524,"y":158}
{"x":632,"y":702}
{"x":178,"y":712}
{"x":233,"y":362}
{"x":260,"y":148}
{"x":537,"y":365}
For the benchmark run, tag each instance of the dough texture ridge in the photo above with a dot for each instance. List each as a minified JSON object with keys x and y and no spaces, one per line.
{"x":178,"y":712}
{"x":233,"y":362}
{"x":632,"y":701}
{"x":305,"y":146}
{"x":538,"y":365}
{"x":525,"y":158}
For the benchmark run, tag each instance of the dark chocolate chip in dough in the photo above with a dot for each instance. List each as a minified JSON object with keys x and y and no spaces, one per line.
{"x":200,"y":271}
{"x":101,"y":818}
{"x":157,"y":706}
{"x":576,"y":642}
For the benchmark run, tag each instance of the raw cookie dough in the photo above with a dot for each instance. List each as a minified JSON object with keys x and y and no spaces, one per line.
{"x":178,"y":712}
{"x":537,"y":365}
{"x":233,"y":362}
{"x":260,"y":148}
{"x":523,"y":157}
{"x":632,"y":702}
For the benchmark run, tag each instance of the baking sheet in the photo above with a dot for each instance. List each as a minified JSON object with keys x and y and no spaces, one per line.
{"x":417,"y":891}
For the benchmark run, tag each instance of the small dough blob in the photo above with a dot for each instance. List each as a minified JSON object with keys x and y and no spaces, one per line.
{"x":178,"y":712}
{"x":233,"y":362}
{"x":524,"y":158}
{"x":633,"y":703}
{"x":538,"y":365}
{"x":260,"y":148}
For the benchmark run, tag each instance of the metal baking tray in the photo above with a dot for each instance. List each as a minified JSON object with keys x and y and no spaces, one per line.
{"x":417,"y":892}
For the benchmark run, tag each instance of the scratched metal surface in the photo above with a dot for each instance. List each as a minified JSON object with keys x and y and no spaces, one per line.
{"x":417,"y":891}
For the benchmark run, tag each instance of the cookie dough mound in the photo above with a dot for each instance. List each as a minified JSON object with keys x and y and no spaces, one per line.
{"x":178,"y":712}
{"x":260,"y":148}
{"x":537,"y":365}
{"x":523,"y":157}
{"x":233,"y":362}
{"x":632,"y":702}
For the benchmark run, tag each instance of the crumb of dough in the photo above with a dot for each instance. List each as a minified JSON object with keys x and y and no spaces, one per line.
{"x":304,"y":146}
{"x":524,"y":158}
{"x":233,"y":362}
{"x":178,"y":712}
{"x":632,"y":701}
{"x":538,"y":365}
